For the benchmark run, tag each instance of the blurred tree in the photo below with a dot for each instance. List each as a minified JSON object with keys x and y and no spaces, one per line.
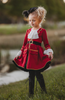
{"x":17,"y":6}
{"x":55,"y":9}
{"x":61,"y":10}
{"x":2,"y":11}
{"x":13,"y":8}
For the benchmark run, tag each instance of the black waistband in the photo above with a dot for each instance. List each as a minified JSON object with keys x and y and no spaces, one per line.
{"x":34,"y":42}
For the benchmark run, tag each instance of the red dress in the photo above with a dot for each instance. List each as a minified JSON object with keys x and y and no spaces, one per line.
{"x":32,"y":56}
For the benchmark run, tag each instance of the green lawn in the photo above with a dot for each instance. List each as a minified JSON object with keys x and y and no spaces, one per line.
{"x":13,"y":29}
{"x":55,"y":84}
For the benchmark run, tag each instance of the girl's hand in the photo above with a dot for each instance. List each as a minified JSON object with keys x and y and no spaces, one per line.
{"x":16,"y":57}
{"x":50,"y":55}
{"x":18,"y":54}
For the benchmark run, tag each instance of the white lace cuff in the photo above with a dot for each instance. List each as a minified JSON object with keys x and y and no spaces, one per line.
{"x":18,"y":54}
{"x":47,"y":51}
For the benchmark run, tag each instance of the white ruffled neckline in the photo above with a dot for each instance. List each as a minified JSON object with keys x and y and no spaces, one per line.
{"x":33,"y":34}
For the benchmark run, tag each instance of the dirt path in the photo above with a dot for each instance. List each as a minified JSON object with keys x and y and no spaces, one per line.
{"x":11,"y":40}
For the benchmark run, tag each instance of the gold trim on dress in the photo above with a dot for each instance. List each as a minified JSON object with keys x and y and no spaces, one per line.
{"x":25,"y":49}
{"x":47,"y":48}
{"x":30,"y":43}
{"x":34,"y":50}
{"x":33,"y":69}
{"x":39,"y":30}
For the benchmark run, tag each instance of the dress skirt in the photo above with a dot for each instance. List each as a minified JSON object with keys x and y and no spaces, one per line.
{"x":31,"y":59}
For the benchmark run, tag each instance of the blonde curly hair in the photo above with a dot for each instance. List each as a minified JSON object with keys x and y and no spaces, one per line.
{"x":41,"y":13}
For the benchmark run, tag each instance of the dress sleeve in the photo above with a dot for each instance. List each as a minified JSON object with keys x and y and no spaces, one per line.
{"x":46,"y":43}
{"x":25,"y":41}
{"x":45,"y":40}
{"x":48,"y":51}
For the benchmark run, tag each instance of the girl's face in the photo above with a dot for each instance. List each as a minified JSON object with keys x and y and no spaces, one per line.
{"x":34,"y":21}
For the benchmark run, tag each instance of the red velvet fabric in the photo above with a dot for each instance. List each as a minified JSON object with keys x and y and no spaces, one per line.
{"x":36,"y":58}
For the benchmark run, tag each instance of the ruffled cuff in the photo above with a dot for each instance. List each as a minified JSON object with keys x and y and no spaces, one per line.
{"x":19,"y":53}
{"x":47,"y":51}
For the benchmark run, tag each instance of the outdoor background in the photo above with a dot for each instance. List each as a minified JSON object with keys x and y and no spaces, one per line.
{"x":13,"y":26}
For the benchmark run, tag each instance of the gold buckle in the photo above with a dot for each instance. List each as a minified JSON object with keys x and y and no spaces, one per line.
{"x":31,"y":41}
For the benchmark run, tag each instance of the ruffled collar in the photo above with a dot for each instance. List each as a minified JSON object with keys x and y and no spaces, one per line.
{"x":33,"y":34}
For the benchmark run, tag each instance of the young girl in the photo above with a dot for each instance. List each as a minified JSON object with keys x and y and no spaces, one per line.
{"x":32,"y":57}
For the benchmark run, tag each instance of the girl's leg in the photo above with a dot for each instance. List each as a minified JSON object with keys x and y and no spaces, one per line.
{"x":41,"y":81}
{"x":31,"y":82}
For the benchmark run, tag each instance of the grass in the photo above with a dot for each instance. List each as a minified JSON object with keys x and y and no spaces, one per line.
{"x":13,"y":29}
{"x":55,"y":84}
{"x":8,"y":29}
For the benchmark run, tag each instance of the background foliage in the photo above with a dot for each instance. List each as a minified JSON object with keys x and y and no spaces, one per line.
{"x":12,"y":10}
